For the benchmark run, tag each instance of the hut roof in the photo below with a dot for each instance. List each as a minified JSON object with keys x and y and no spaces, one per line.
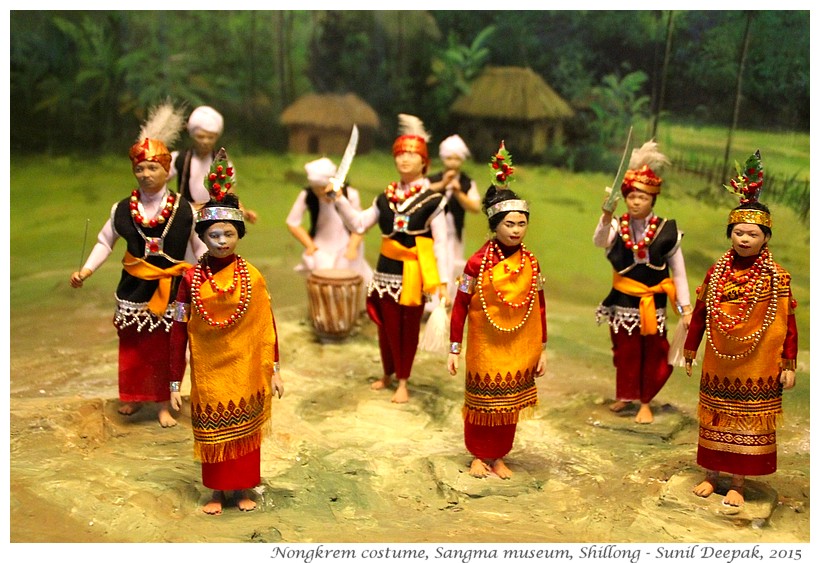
{"x":331,"y":111}
{"x":507,"y":92}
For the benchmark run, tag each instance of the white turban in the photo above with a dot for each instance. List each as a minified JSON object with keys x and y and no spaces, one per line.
{"x":207,"y":119}
{"x":320,"y":171}
{"x":453,"y":146}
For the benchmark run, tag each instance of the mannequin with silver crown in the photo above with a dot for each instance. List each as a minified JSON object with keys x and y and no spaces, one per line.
{"x":745,"y":308}
{"x":223,"y":319}
{"x":648,"y":273}
{"x":157,"y":227}
{"x":500,"y":300}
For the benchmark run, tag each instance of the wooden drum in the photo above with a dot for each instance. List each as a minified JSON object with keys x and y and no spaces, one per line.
{"x":334,"y":301}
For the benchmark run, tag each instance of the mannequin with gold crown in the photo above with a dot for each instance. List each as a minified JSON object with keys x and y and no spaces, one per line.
{"x":223,"y":317}
{"x":648,"y":272}
{"x":157,"y":226}
{"x":745,"y":309}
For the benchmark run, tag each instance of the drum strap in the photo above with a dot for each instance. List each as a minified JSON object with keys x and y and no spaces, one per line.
{"x":419,"y":271}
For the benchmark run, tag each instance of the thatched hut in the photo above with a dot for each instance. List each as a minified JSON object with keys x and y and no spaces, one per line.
{"x":321,"y":123}
{"x":513,"y":104}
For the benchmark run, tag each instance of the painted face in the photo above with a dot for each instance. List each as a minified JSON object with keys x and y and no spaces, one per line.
{"x":410,"y":166}
{"x":512,"y":228}
{"x":638,"y":204}
{"x":452,"y":162}
{"x":748,"y":239}
{"x":204,"y":141}
{"x":151,"y":176}
{"x":221,"y":239}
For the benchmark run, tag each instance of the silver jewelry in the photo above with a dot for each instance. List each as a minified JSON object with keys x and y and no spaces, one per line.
{"x":508,"y":205}
{"x":174,"y":386}
{"x":455,"y":347}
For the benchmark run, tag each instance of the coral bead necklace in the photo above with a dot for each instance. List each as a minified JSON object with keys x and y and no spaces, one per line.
{"x":754,"y":282}
{"x":394,"y":195}
{"x":487,"y":263}
{"x":241,"y":279}
{"x":638,"y":247}
{"x":161,"y":217}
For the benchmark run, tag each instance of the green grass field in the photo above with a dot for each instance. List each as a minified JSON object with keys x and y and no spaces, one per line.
{"x":52,"y":198}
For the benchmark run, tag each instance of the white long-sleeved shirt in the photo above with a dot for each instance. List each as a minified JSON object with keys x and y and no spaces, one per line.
{"x":150,"y":206}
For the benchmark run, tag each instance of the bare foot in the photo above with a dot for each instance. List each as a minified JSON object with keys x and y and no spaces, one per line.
{"x":128,"y":409}
{"x":244,"y":502}
{"x":214,"y":506}
{"x":401,"y":395}
{"x":644,"y":415}
{"x":479,"y":469}
{"x":707,"y":486}
{"x":381,"y":383}
{"x":500,"y":468}
{"x":618,"y":406}
{"x":704,"y":488}
{"x":166,"y":419}
{"x":734,"y":496}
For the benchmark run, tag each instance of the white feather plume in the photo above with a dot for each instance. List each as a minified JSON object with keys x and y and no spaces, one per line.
{"x":412,"y":125}
{"x":649,"y":155}
{"x":164,"y":123}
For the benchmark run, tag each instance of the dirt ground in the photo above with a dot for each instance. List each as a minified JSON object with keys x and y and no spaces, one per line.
{"x":345,"y":465}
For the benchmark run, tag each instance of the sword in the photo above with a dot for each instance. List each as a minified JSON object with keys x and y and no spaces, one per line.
{"x":614,"y":191}
{"x":347,"y":159}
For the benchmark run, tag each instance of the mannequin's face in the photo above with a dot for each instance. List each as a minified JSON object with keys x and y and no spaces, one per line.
{"x":221,"y":239}
{"x":748,"y":239}
{"x":452,"y":162}
{"x":410,"y":166}
{"x":204,"y":141}
{"x":512,"y":228}
{"x":151,"y":176}
{"x":638,"y":204}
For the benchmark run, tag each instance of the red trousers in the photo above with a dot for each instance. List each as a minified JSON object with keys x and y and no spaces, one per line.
{"x":641,"y":365}
{"x":144,"y":365}
{"x":399,"y":327}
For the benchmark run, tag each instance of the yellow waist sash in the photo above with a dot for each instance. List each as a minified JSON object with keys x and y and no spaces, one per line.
{"x":649,"y":322}
{"x":143,"y":270}
{"x":419,"y":271}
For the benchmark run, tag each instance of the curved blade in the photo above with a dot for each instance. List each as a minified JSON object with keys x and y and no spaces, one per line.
{"x":347,"y":159}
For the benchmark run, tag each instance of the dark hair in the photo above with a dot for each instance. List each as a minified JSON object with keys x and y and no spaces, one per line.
{"x":751,"y":205}
{"x":493,"y":196}
{"x":228,"y":200}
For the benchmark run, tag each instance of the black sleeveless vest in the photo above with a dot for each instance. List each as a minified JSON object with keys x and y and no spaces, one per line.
{"x":453,"y":206}
{"x":424,"y":207}
{"x":175,"y":244}
{"x":312,"y":203}
{"x":182,"y":164}
{"x":664,"y":243}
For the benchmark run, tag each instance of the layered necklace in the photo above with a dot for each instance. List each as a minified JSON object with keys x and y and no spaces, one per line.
{"x":160,"y":218}
{"x":396,"y":196}
{"x":754,"y":282}
{"x":638,"y":247}
{"x":241,"y":280}
{"x":529,"y":299}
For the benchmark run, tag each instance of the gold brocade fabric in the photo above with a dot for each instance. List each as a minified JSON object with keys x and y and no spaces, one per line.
{"x":500,"y":379}
{"x":231,"y":370}
{"x":740,"y":398}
